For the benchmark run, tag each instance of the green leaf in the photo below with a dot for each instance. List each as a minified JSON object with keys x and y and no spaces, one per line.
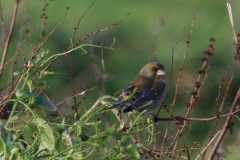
{"x":102,"y":60}
{"x":3,"y":149}
{"x":110,"y":130}
{"x":14,"y":154}
{"x":44,"y":84}
{"x":64,"y":144}
{"x":41,"y":57}
{"x":16,"y":117}
{"x":31,"y":64}
{"x":133,"y":152}
{"x":63,"y":123}
{"x":59,"y":129}
{"x":47,"y":140}
{"x":45,"y":73}
{"x":17,"y":73}
{"x":17,"y":143}
{"x":103,"y":64}
{"x":58,"y":140}
{"x":107,"y":132}
{"x":6,"y":137}
{"x":79,"y":130}
{"x":43,"y":103}
{"x":121,"y":126}
{"x":29,"y":83}
{"x":86,"y":54}
{"x":23,"y":94}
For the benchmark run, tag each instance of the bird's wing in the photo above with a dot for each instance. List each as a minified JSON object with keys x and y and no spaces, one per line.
{"x":143,"y":99}
{"x":126,"y":97}
{"x":128,"y":93}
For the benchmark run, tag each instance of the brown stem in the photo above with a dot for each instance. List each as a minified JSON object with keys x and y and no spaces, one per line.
{"x":236,"y":105}
{"x":9,"y":37}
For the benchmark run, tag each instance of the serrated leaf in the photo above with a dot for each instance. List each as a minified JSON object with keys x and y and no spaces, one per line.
{"x":43,"y":103}
{"x":133,"y":152}
{"x":47,"y":139}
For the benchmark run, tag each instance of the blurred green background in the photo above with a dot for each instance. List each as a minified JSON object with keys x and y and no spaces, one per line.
{"x":148,"y":34}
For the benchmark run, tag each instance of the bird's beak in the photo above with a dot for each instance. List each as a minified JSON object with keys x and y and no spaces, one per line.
{"x":160,"y":72}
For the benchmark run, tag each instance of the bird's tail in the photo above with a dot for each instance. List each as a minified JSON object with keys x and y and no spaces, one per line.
{"x":119,"y":104}
{"x":115,"y":106}
{"x":128,"y":109}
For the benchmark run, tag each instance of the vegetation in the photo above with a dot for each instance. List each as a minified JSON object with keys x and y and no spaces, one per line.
{"x":55,"y":82}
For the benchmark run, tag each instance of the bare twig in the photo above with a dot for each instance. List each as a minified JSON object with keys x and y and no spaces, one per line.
{"x":181,"y":69}
{"x":96,"y":32}
{"x":45,"y":40}
{"x":236,"y":105}
{"x":4,"y":34}
{"x":43,"y":22}
{"x":9,"y":37}
{"x":75,"y":29}
{"x":169,"y":83}
{"x":208,"y":145}
{"x":49,"y":65}
{"x":236,"y":41}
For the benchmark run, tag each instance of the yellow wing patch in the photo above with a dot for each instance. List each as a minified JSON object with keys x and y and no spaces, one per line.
{"x":129,"y":98}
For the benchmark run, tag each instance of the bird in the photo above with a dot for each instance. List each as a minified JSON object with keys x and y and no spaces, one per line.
{"x":146,"y":92}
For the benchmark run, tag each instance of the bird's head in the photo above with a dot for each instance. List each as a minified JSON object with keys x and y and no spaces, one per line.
{"x":153,"y":70}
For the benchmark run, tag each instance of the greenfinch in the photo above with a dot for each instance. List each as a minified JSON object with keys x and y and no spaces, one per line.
{"x":146,"y":92}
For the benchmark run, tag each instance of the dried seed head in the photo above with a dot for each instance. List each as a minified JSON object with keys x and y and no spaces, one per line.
{"x":187,"y":105}
{"x":208,"y":53}
{"x":194,"y":93}
{"x":202,"y":71}
{"x":212,"y":39}
{"x":197,"y":84}
{"x":204,"y":59}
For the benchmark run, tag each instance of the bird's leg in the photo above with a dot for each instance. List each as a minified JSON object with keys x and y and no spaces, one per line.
{"x":154,"y":117}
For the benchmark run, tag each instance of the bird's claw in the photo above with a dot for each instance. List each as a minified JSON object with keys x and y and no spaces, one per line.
{"x":154,"y":117}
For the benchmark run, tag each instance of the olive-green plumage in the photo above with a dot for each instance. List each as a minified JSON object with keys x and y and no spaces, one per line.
{"x":146,"y":91}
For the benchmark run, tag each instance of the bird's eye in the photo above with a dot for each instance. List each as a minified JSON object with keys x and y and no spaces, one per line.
{"x":154,"y":69}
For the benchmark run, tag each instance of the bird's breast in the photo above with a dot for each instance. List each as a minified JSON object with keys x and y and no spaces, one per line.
{"x":142,"y":82}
